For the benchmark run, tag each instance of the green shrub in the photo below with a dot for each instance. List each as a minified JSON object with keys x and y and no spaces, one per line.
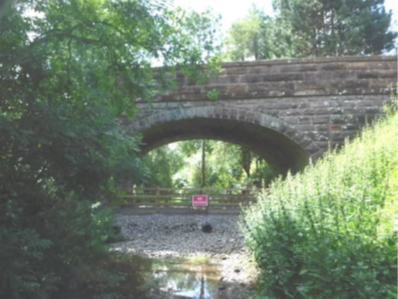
{"x":328,"y":232}
{"x":60,"y":251}
{"x":53,"y":171}
{"x":69,"y":73}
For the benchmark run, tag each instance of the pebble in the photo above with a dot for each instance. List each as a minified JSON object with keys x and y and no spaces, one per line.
{"x":161,"y":235}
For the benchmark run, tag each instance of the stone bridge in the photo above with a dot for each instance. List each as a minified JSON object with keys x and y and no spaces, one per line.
{"x":285,"y":110}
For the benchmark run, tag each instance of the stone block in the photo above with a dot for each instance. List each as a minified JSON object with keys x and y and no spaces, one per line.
{"x":226,"y":79}
{"x":392,"y":74}
{"x":237,"y":89}
{"x":363,"y":65}
{"x":298,"y":68}
{"x":225,"y":113}
{"x":308,"y":100}
{"x":368,"y":75}
{"x":262,"y":69}
{"x":333,"y":66}
{"x":242,"y":115}
{"x":236,"y":70}
{"x":249,"y":117}
{"x":233,"y":113}
{"x":323,"y":119}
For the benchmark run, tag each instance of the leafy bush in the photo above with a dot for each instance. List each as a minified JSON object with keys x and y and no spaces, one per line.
{"x":63,"y":254}
{"x":328,"y":232}
{"x":69,"y":72}
{"x":53,"y":169}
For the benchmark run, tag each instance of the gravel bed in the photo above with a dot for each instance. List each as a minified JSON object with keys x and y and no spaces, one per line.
{"x":159,"y":235}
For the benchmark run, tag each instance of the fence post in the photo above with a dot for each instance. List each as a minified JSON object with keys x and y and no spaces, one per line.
{"x":157,"y":201}
{"x":230,"y":197}
{"x":130,"y":194}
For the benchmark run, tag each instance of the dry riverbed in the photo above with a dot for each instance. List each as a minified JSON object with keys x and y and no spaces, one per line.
{"x":160,"y":236}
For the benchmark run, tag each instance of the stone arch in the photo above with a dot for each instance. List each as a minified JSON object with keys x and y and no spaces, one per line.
{"x":283,"y":147}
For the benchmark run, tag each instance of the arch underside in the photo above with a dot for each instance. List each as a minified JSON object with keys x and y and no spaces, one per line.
{"x":280,"y":152}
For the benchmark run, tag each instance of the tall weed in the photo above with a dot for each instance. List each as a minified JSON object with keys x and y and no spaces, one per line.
{"x":328,"y":231}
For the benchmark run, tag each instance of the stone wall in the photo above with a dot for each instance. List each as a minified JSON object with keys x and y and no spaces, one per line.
{"x":336,"y":76}
{"x":321,"y":101}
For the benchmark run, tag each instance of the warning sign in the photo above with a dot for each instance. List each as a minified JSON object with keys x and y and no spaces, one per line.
{"x":200,"y":200}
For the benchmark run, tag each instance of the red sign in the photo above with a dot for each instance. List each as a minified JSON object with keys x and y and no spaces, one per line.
{"x":200,"y":200}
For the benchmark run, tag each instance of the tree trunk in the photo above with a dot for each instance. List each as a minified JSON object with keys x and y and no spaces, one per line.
{"x":246,"y":160}
{"x":203,"y":163}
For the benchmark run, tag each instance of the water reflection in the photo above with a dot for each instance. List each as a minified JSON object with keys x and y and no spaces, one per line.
{"x":184,"y":278}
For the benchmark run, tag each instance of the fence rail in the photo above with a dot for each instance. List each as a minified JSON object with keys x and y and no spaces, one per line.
{"x":182,"y":197}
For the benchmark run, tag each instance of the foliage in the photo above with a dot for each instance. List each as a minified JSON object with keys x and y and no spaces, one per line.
{"x":201,"y":47}
{"x":334,"y":28}
{"x":312,"y":28}
{"x":248,"y":37}
{"x":60,"y":252}
{"x":213,"y":94}
{"x":162,"y":163}
{"x":68,"y":71}
{"x":328,"y":232}
{"x":179,"y":166}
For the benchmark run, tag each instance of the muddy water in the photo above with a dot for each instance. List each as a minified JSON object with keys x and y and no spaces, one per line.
{"x":182,"y":278}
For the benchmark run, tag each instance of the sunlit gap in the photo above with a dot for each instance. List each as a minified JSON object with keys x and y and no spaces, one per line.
{"x":196,"y":176}
{"x":206,"y":164}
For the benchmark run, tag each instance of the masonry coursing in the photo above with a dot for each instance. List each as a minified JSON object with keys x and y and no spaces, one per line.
{"x":315,"y":102}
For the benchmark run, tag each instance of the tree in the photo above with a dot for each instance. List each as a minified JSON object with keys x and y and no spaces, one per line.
{"x":227,"y":165}
{"x":68,"y":71}
{"x":312,"y":28}
{"x":161,"y":164}
{"x":332,"y":27}
{"x":247,"y":38}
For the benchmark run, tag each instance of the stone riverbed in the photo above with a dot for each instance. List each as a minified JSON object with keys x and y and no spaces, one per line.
{"x":160,"y":236}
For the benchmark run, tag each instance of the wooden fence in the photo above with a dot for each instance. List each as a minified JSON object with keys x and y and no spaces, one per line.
{"x":173,"y":197}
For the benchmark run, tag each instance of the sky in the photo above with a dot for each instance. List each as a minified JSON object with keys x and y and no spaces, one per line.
{"x":232,"y":10}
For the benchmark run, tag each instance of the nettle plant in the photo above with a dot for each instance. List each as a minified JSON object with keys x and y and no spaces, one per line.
{"x":328,"y":232}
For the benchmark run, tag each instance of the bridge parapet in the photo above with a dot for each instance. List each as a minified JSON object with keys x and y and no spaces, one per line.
{"x":331,"y":76}
{"x":282,"y":107}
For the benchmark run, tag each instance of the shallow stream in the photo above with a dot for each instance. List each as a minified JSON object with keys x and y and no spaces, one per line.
{"x":194,"y":278}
